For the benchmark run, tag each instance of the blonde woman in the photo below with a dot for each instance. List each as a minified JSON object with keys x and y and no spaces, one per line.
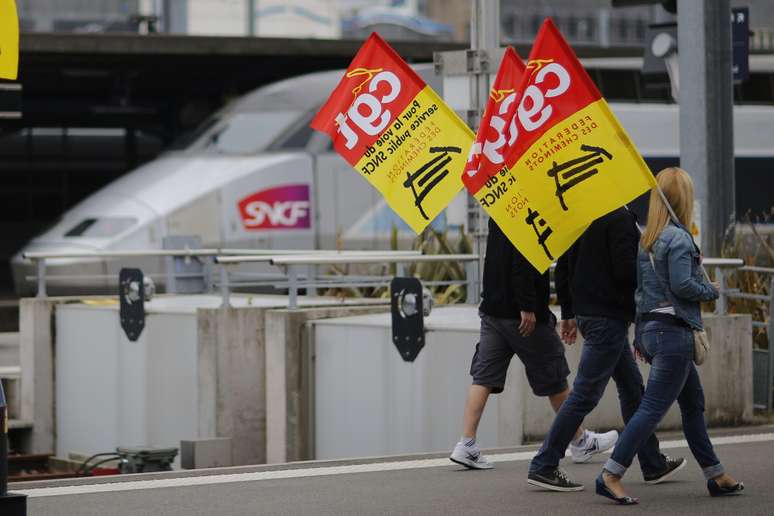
{"x":670,"y":288}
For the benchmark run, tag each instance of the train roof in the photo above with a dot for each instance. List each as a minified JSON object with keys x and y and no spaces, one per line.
{"x":305,"y":92}
{"x":620,"y":79}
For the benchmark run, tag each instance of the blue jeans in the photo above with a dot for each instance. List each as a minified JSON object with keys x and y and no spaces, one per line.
{"x":605,"y":355}
{"x":673,"y":376}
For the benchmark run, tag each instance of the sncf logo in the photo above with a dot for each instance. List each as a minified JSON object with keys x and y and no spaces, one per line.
{"x":281,"y":207}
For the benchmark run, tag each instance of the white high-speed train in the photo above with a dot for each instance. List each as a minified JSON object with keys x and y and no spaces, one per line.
{"x":256,"y":176}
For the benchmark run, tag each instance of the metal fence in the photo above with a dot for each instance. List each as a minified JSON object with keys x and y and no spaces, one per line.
{"x":763,"y":359}
{"x":300,"y":270}
{"x":296,"y":269}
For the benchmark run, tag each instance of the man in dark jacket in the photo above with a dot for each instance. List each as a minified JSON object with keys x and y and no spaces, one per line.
{"x":595,"y":283}
{"x":515,"y":319}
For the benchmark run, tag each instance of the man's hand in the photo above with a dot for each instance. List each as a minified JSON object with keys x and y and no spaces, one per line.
{"x":527,"y":325}
{"x":568,"y":331}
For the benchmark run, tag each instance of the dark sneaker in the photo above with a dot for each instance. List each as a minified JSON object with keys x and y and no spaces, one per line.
{"x":718,"y":490}
{"x":555,"y":480}
{"x":672,"y":466}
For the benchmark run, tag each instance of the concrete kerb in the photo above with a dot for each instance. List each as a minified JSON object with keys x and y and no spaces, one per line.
{"x":532,"y":447}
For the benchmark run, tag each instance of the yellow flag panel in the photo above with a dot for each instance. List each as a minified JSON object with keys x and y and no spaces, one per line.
{"x":9,"y":40}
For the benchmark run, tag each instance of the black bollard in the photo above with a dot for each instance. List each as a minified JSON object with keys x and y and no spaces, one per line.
{"x":10,"y":504}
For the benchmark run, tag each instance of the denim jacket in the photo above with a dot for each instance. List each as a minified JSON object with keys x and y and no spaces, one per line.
{"x":678,"y":279}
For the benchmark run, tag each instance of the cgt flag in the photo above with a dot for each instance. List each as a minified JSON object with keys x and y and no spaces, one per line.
{"x":397,"y":133}
{"x":9,"y":40}
{"x":494,"y":131}
{"x":570,"y":155}
{"x":486,"y":176}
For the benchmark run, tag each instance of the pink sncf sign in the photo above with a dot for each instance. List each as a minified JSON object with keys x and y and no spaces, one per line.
{"x":281,"y":207}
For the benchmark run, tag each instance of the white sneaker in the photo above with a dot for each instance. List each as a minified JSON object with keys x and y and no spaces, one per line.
{"x":470,"y":457}
{"x":594,"y":443}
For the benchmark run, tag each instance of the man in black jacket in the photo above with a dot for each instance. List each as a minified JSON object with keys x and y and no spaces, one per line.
{"x":595,"y":283}
{"x":515,"y":319}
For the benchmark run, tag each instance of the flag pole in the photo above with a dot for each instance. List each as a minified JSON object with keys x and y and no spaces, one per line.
{"x":674,"y":218}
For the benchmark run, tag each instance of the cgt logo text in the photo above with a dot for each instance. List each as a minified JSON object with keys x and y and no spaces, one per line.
{"x":281,"y":207}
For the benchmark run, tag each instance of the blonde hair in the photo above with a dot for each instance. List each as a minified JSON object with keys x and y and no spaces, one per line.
{"x":678,"y":190}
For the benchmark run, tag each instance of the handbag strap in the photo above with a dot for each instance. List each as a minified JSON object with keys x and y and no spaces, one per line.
{"x":674,"y":218}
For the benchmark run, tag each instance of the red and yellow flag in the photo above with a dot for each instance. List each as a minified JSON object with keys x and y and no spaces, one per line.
{"x":486,"y":176}
{"x":397,"y":133}
{"x":9,"y":40}
{"x":569,"y":154}
{"x":487,"y":155}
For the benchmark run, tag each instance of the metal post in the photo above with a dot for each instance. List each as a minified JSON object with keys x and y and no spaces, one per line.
{"x":3,"y":443}
{"x":472,"y":290}
{"x":706,"y":113}
{"x":292,"y":287}
{"x":484,"y":35}
{"x":770,"y":333}
{"x":207,"y":271}
{"x":41,"y":265}
{"x":311,"y":277}
{"x":169,"y":274}
{"x":720,"y":304}
{"x":225,"y":293}
{"x":10,"y":504}
{"x":251,"y":17}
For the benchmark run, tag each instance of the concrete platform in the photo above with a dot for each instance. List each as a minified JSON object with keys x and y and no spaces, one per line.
{"x":419,"y":484}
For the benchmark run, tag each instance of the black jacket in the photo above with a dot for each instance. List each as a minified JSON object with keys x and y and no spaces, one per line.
{"x":597,"y":276}
{"x":511,"y":283}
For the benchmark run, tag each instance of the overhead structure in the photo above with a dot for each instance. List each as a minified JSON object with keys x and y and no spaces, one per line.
{"x":699,"y":64}
{"x":706,"y":114}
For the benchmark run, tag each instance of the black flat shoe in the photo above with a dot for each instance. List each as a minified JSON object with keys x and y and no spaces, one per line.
{"x":605,"y":491}
{"x":716,"y":489}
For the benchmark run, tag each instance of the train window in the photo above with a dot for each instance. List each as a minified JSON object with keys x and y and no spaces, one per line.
{"x":245,"y":133}
{"x":103,"y":227}
{"x":188,"y":138}
{"x":298,"y":139}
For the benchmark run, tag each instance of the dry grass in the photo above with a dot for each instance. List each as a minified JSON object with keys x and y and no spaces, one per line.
{"x":755,"y":248}
{"x":430,"y":242}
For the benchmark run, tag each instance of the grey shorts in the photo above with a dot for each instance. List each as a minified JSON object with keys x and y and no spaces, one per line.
{"x":542,"y":354}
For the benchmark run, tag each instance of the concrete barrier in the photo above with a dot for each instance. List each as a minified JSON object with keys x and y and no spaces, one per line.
{"x":36,"y":358}
{"x":726,"y":377}
{"x":289,"y":372}
{"x":254,"y":377}
{"x":197,"y":371}
{"x":419,"y":405}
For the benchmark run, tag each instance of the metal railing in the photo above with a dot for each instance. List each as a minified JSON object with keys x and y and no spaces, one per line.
{"x":42,"y":259}
{"x":763,"y":359}
{"x":300,"y":270}
{"x":296,"y":266}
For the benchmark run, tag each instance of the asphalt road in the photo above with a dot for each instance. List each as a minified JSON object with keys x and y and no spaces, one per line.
{"x":419,"y":485}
